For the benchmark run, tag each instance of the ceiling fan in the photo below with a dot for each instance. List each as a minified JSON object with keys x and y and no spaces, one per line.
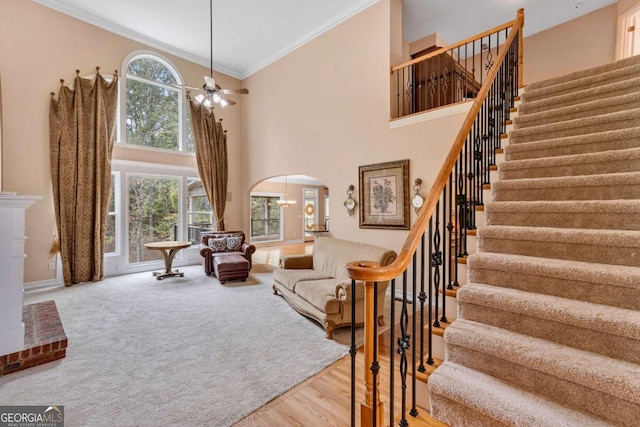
{"x":211,"y":93}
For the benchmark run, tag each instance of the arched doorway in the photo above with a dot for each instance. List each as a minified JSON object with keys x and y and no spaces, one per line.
{"x":288,"y":209}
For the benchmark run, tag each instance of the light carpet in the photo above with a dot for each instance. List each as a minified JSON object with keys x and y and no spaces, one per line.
{"x":181,"y":351}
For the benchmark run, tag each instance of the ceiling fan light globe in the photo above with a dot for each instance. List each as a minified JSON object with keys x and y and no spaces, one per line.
{"x":216,"y":98}
{"x":223,"y":103}
{"x":199,"y":98}
{"x":207,"y":103}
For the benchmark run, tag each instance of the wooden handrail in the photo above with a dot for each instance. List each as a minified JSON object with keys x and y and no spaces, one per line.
{"x":359,"y":270}
{"x":455,"y":45}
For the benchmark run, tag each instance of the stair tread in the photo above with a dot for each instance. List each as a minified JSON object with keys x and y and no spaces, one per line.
{"x":577,"y":78}
{"x":429,"y":369}
{"x":573,"y":159}
{"x":579,"y":123}
{"x":555,"y":114}
{"x":597,"y":317}
{"x":631,"y":206}
{"x":501,"y":401}
{"x":423,"y":419}
{"x":624,"y":238}
{"x":607,"y":375}
{"x":617,"y":276}
{"x":610,"y":179}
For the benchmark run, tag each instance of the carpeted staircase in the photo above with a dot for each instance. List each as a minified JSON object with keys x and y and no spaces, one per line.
{"x":548,"y":328}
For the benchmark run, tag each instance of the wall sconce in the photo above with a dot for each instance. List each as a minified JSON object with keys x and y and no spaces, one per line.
{"x":350,"y":203}
{"x":417,"y":201}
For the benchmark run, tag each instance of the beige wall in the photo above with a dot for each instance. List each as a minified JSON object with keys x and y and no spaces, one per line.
{"x":585,"y":42}
{"x":323,"y":110}
{"x":39,"y":47}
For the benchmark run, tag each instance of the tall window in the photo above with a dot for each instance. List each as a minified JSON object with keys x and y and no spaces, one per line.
{"x":155,"y":106}
{"x":265,"y":218}
{"x":110,"y":243}
{"x":153,"y":214}
{"x":199,"y":215}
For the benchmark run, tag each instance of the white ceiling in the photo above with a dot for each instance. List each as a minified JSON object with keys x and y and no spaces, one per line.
{"x":251,"y":34}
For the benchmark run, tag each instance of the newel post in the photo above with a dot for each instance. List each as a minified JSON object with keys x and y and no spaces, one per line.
{"x":520,"y":24}
{"x":371,"y":408}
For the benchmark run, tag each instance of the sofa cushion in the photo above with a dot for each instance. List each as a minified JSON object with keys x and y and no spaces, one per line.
{"x":218,"y":244}
{"x":289,"y":278}
{"x":321,"y":294}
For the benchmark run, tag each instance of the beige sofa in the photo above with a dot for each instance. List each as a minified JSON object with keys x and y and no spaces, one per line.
{"x":319,"y":287}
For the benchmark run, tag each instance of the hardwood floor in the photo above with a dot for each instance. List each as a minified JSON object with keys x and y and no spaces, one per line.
{"x":324,"y":399}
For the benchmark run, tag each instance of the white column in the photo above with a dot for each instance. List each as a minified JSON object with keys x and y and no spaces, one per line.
{"x":12,"y":236}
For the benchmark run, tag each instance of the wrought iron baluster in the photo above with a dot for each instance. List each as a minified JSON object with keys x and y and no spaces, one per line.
{"x":430,"y":304}
{"x":450,"y":243}
{"x":443,"y":255}
{"x":436,"y":261}
{"x":423,"y":298}
{"x":403,"y":346}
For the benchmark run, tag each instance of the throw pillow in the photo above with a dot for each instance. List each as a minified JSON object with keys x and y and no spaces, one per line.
{"x":218,"y":244}
{"x":234,"y":244}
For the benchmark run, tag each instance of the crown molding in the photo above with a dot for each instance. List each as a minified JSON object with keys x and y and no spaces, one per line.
{"x":352,"y":11}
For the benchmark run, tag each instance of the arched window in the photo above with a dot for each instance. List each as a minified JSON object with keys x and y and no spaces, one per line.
{"x":155,"y":107}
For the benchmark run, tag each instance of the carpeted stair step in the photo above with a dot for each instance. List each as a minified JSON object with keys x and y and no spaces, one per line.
{"x":607,"y":330}
{"x":583,"y":187}
{"x":603,"y":141}
{"x":617,"y":247}
{"x":617,"y":286}
{"x":602,"y":386}
{"x":463,"y":397}
{"x":598,"y":214}
{"x":614,"y":161}
{"x":580,"y":79}
{"x":581,"y":126}
{"x":611,"y":90}
{"x":585,"y":109}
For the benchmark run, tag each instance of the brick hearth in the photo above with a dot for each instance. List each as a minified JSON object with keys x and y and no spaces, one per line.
{"x":44,"y":339}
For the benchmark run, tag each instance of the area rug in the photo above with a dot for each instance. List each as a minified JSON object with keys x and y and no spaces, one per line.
{"x":180,"y":351}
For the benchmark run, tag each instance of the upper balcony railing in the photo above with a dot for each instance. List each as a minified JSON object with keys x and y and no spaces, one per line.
{"x":447,"y":75}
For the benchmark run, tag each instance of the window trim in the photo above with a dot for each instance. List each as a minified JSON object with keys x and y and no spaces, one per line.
{"x":121,"y":136}
{"x":267,"y":194}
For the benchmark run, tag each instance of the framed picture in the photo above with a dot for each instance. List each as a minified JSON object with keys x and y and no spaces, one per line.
{"x":384,"y":195}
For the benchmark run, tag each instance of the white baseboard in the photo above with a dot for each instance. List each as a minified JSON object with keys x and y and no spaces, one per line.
{"x":33,"y":286}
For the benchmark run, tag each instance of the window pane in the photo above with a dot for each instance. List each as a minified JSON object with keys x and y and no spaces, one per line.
{"x":110,"y":238}
{"x":199,"y":213}
{"x":152,"y":115}
{"x":189,"y":145}
{"x":110,"y":235}
{"x":151,"y":69}
{"x":153,"y":215}
{"x":265,"y":218}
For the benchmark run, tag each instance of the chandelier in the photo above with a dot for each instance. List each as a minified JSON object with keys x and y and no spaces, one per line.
{"x":286,"y":202}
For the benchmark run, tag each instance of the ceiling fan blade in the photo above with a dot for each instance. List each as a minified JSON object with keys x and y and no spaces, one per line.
{"x":227,"y":100}
{"x":210,"y":82}
{"x":235,"y":91}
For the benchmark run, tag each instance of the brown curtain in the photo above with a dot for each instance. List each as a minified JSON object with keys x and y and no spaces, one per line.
{"x":211,"y":155}
{"x":81,"y":131}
